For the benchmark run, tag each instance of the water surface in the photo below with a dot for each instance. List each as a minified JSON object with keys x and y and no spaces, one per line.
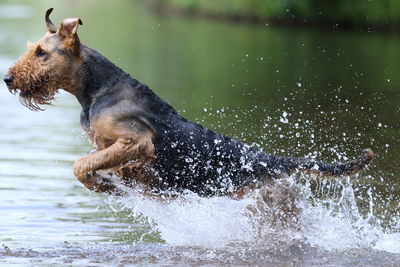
{"x":300,"y":92}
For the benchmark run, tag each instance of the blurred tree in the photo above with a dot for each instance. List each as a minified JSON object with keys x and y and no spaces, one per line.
{"x":343,"y":13}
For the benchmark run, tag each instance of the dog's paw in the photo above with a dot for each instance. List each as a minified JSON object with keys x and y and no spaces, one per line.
{"x":80,"y":171}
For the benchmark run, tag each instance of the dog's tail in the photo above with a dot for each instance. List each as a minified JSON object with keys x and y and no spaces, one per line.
{"x":351,"y":167}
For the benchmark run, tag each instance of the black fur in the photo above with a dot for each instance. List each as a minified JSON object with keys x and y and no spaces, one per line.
{"x":189,"y":156}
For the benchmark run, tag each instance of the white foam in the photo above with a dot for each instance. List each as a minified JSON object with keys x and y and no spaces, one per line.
{"x":388,"y":242}
{"x":330,"y":224}
{"x":191,"y":220}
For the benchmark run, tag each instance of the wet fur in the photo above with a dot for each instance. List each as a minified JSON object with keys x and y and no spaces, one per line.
{"x":137,"y":135}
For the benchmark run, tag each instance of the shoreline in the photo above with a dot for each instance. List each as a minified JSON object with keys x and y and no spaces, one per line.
{"x":290,"y":21}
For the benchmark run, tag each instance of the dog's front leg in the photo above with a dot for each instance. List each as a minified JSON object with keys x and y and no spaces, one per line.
{"x":121,"y":152}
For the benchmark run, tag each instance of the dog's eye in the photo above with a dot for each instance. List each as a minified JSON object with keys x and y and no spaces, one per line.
{"x":40,"y":52}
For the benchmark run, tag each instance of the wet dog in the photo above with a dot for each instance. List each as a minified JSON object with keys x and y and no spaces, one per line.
{"x":137,"y":135}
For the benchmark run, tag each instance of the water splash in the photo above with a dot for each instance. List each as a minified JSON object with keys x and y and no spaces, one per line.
{"x":334,"y":216}
{"x":331,"y":221}
{"x":190,"y":219}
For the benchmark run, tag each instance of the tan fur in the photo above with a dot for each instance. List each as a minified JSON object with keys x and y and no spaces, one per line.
{"x":118,"y":148}
{"x":276,"y":206}
{"x":37,"y":79}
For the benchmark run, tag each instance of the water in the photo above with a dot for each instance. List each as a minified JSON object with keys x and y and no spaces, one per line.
{"x":293,"y":92}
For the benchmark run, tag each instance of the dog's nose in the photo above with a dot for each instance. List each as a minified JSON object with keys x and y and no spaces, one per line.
{"x":8,"y":79}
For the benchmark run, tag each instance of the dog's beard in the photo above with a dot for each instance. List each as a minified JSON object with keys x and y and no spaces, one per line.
{"x":32,"y":95}
{"x":35,"y":91}
{"x":32,"y":99}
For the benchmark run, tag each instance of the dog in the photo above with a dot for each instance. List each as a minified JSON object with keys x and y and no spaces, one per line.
{"x":137,"y":135}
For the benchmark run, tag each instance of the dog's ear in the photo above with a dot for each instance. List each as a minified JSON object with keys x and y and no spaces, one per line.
{"x":50,"y":26}
{"x":68,"y":32}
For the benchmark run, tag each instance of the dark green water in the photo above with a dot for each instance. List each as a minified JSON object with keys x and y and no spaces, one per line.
{"x":300,"y":92}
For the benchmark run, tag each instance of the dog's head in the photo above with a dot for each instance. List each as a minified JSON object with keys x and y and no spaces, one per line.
{"x":47,"y":65}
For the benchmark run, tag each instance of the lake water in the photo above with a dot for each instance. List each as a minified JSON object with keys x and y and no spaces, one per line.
{"x":300,"y":92}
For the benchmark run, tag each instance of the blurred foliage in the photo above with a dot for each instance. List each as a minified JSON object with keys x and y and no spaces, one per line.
{"x":343,"y":12}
